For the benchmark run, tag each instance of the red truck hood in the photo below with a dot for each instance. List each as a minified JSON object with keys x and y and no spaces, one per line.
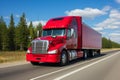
{"x":53,"y":40}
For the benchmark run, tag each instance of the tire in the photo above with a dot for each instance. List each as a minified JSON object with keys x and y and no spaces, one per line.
{"x":98,"y":53}
{"x":63,"y":58}
{"x":35,"y":63}
{"x":92,"y":53}
{"x":85,"y":55}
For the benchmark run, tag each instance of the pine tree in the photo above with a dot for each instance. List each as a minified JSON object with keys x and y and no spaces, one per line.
{"x":17,"y":41}
{"x":22,"y":33}
{"x":31,"y":31}
{"x":3,"y":35}
{"x":11,"y":34}
{"x":0,"y":41}
{"x":39,"y":30}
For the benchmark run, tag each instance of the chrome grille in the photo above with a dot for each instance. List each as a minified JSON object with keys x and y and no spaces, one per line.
{"x":39,"y":46}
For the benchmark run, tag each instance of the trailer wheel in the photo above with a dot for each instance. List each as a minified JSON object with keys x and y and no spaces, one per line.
{"x":98,"y":53}
{"x":85,"y":55}
{"x":63,"y":58}
{"x":35,"y":63}
{"x":93,"y":54}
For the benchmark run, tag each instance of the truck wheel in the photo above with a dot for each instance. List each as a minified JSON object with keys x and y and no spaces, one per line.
{"x":35,"y":63}
{"x":85,"y":55}
{"x":93,"y":53}
{"x":98,"y":52}
{"x":63,"y":59}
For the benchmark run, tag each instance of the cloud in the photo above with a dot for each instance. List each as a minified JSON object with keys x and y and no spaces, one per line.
{"x":111,"y":25}
{"x":115,"y":14}
{"x":6,"y":17}
{"x":115,"y":37}
{"x":98,"y":28}
{"x":106,"y":8}
{"x":112,"y":22}
{"x":88,"y":13}
{"x":115,"y":34}
{"x":43,"y":22}
{"x":35,"y":23}
{"x":17,"y":16}
{"x":118,"y":1}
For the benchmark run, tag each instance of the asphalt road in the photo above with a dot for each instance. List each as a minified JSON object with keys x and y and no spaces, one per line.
{"x":104,"y":67}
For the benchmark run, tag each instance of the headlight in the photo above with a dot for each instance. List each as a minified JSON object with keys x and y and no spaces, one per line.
{"x":53,"y":51}
{"x":28,"y":51}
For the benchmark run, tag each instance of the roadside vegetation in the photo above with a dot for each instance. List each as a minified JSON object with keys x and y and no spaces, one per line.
{"x":10,"y":56}
{"x":109,"y":49}
{"x":107,"y":43}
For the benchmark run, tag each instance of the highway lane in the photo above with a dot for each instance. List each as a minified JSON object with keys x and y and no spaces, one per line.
{"x":107,"y":68}
{"x":100,"y":71}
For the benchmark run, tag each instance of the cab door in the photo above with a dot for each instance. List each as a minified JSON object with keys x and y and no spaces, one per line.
{"x":69,"y":40}
{"x":74,"y":38}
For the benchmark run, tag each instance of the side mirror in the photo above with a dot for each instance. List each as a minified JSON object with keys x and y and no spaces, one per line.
{"x":70,"y":33}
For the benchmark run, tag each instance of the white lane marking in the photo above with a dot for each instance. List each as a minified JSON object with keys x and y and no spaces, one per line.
{"x":60,"y":70}
{"x":82,"y":68}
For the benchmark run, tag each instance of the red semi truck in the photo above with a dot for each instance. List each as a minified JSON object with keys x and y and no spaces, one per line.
{"x":64,"y":39}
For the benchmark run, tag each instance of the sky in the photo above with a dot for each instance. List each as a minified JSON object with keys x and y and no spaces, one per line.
{"x":101,"y":15}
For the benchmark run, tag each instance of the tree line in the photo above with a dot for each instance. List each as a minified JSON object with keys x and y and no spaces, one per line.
{"x":107,"y":43}
{"x":17,"y":37}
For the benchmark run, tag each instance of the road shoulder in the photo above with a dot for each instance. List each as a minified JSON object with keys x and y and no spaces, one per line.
{"x":11,"y":64}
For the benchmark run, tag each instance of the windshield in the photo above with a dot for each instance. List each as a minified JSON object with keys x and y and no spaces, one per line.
{"x":54,"y":32}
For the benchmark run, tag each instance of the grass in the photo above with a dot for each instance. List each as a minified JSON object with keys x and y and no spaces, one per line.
{"x":9,"y":56}
{"x":109,"y":49}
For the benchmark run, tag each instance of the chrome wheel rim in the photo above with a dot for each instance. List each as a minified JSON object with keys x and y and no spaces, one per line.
{"x":63,"y":58}
{"x":85,"y":55}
